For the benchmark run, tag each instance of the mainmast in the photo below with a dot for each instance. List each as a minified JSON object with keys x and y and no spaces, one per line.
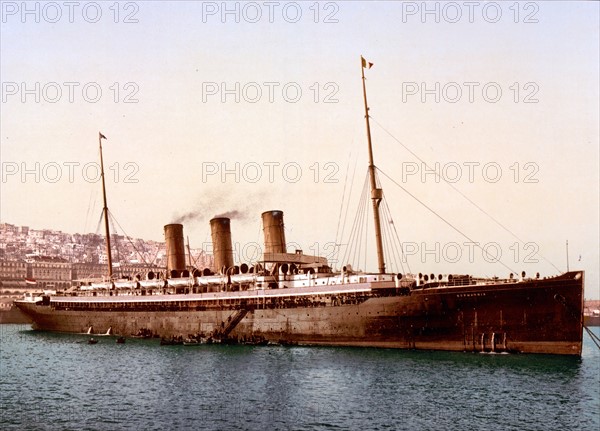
{"x":105,"y":210}
{"x":376,"y":193}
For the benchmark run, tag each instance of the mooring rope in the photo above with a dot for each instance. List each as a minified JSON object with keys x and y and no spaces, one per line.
{"x":593,"y":336}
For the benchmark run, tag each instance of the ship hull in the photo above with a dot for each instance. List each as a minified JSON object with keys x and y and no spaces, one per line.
{"x":538,"y":316}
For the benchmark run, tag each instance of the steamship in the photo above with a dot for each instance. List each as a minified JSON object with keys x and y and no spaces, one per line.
{"x":295,"y":298}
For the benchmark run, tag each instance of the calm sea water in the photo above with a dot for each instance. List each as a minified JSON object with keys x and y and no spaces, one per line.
{"x":58,"y":381}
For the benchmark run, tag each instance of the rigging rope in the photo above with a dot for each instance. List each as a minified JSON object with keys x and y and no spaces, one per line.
{"x":97,"y":228}
{"x":398,"y":243}
{"x":354,"y":240}
{"x":89,"y":209}
{"x":347,"y":206}
{"x":387,"y":234}
{"x":115,"y":243}
{"x":337,"y":231}
{"x":390,"y":239}
{"x":593,"y":336}
{"x":359,"y":226}
{"x":99,"y":222}
{"x":113,"y":219}
{"x":446,"y":221}
{"x":459,"y":192}
{"x":358,"y":237}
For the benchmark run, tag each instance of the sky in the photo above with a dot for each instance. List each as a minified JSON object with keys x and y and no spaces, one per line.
{"x":237,"y":108}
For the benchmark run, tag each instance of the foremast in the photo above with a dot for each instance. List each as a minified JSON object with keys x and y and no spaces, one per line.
{"x":376,"y":193}
{"x":105,"y":209}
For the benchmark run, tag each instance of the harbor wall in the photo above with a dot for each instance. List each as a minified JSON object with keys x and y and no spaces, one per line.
{"x":9,"y":313}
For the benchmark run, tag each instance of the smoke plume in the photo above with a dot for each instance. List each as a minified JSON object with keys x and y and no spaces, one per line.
{"x":219,"y":204}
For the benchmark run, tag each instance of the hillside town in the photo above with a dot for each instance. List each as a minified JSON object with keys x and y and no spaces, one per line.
{"x":51,"y":259}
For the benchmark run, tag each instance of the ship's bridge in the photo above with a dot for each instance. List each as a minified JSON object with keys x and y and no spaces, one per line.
{"x":297,"y":258}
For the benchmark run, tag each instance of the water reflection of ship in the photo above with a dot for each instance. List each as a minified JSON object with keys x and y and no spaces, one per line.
{"x":297,"y":298}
